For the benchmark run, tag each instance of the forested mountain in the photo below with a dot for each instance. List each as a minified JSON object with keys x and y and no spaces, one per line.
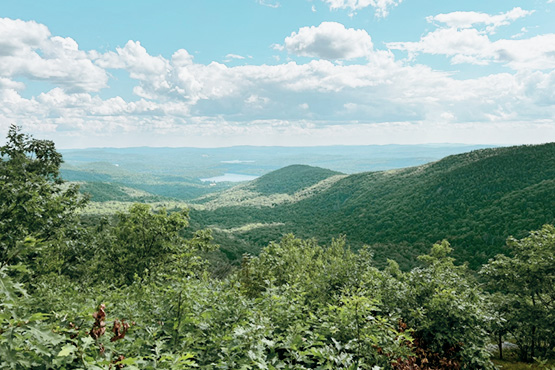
{"x":68,"y":276}
{"x":178,"y":172}
{"x":475,"y":200}
{"x":290,"y":179}
{"x":283,"y":185}
{"x":259,"y":160}
{"x":103,"y":180}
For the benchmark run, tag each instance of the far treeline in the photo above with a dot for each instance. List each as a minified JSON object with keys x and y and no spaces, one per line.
{"x":132,"y":292}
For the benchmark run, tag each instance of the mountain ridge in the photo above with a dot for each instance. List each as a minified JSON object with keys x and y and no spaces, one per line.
{"x":473,"y":199}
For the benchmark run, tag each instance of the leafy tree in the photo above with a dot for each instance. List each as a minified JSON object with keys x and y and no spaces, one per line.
{"x":141,"y":240}
{"x":327,"y":317}
{"x":320,"y":272}
{"x":447,"y":311}
{"x":527,"y":280}
{"x":144,"y":241}
{"x":34,"y":202}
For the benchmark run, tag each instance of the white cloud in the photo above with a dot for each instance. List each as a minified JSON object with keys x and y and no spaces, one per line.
{"x":269,"y":3}
{"x":470,"y":19}
{"x":449,"y":41}
{"x":28,"y":50}
{"x":329,"y":40}
{"x":213,"y":104}
{"x":133,"y":57}
{"x":471,"y":46}
{"x":381,"y":7}
{"x":537,"y":52}
{"x":522,"y":32}
{"x":7,"y":84}
{"x":541,"y":88}
{"x":256,"y":102}
{"x":464,"y":43}
{"x":374,"y":93}
{"x":234,"y":56}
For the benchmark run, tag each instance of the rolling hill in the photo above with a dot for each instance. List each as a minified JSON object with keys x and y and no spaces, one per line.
{"x":475,"y":200}
{"x":103,"y":180}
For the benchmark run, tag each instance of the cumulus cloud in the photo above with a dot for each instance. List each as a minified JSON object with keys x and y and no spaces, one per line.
{"x":27,"y":49}
{"x":186,"y":99}
{"x":539,"y":87}
{"x":537,"y":52}
{"x":330,"y":92}
{"x":464,"y":43}
{"x":381,"y":7}
{"x":7,"y":84}
{"x":468,"y":44}
{"x":330,"y":40}
{"x":471,"y":46}
{"x":470,"y":19}
{"x":150,"y":70}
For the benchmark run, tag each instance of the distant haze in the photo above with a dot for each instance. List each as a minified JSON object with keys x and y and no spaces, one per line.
{"x":255,"y":161}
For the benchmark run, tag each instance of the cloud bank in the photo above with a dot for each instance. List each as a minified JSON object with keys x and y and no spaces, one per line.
{"x":371,"y":99}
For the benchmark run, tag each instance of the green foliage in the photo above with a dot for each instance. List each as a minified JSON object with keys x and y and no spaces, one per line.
{"x":105,"y":191}
{"x":320,"y":272}
{"x":448,"y":309}
{"x":337,"y":313}
{"x":475,"y":200}
{"x":142,"y":241}
{"x":26,"y":340}
{"x":444,"y":306}
{"x":290,"y":179}
{"x":33,"y":202}
{"x":527,"y":282}
{"x":134,"y":292}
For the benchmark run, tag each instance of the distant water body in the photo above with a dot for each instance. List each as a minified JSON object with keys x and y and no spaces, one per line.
{"x":230,"y":177}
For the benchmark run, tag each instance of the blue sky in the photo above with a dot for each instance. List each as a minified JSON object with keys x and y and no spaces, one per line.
{"x":286,"y":72}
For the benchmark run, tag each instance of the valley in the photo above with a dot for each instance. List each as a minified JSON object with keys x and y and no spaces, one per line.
{"x":476,"y":200}
{"x":303,"y":267}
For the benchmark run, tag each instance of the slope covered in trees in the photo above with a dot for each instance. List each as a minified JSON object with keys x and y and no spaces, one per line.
{"x":97,"y":177}
{"x":133,"y":292}
{"x":290,"y":179}
{"x":475,"y":200}
{"x":176,"y":172}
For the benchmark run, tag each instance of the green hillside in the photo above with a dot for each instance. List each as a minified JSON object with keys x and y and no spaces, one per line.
{"x":106,"y":191}
{"x":290,"y":179}
{"x":286,"y":185}
{"x":172,"y":300}
{"x":475,"y":200}
{"x":103,"y":180}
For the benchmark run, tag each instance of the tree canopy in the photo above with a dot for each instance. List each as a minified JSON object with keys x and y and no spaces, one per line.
{"x":34,"y":203}
{"x":135,"y":291}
